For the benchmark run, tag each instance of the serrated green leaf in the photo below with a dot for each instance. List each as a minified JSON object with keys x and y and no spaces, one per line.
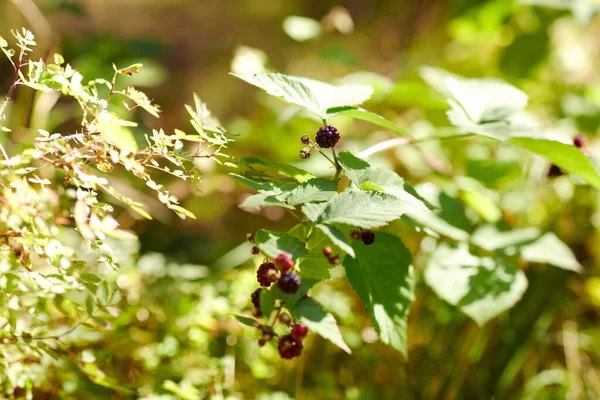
{"x":314,"y":96}
{"x":551,"y":250}
{"x":564,"y":155}
{"x":378,"y":179}
{"x":365,"y":115}
{"x":382,"y":276}
{"x":314,"y":190}
{"x":482,"y":287}
{"x":314,"y":265}
{"x":363,"y":209}
{"x":313,"y":211}
{"x":319,"y":321}
{"x":275,"y":243}
{"x":337,"y":238}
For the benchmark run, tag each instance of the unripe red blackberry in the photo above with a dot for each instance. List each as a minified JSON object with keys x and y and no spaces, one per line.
{"x":327,"y":251}
{"x":368,"y":237}
{"x":327,"y":136}
{"x":284,"y":262}
{"x":255,"y":250}
{"x":266,"y":274}
{"x":255,"y":298}
{"x":305,"y":139}
{"x":555,"y":171}
{"x":289,"y":347}
{"x":299,"y":331}
{"x":289,"y":282}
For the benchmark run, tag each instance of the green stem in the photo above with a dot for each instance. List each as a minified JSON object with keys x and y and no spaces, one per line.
{"x":338,"y":166}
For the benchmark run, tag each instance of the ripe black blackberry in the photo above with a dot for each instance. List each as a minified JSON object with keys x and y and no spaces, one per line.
{"x":299,"y":331}
{"x":289,"y":282}
{"x":255,"y":298}
{"x":555,"y":171}
{"x":266,"y":274}
{"x":289,"y":347}
{"x":368,"y":237}
{"x":327,"y":136}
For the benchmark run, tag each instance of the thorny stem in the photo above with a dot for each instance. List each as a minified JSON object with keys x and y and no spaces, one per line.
{"x":11,"y":90}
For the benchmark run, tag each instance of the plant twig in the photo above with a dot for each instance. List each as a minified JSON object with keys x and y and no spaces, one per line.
{"x":9,"y":95}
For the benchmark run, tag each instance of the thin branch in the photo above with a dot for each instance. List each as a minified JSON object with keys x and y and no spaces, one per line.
{"x":338,"y":166}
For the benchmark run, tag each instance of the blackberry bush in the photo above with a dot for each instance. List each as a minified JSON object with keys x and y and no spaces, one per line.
{"x":336,"y":212}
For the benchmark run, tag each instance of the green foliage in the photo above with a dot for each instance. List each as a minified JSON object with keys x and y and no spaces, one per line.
{"x":493,"y":259}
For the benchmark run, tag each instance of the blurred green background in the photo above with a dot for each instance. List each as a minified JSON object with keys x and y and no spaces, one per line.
{"x":176,"y":338}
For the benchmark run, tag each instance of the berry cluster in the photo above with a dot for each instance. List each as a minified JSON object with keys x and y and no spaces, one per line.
{"x":367,"y":237}
{"x":290,"y":346}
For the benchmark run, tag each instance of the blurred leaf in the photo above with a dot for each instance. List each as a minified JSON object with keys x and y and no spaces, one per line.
{"x":271,"y":188}
{"x":482,"y":204}
{"x":363,"y":209}
{"x":481,"y":287}
{"x":286,"y":170}
{"x":319,"y":321}
{"x":488,"y":237}
{"x":564,"y":155}
{"x":314,"y":96}
{"x":361,"y":113}
{"x":551,"y":250}
{"x":275,"y":243}
{"x":383,"y":278}
{"x":245,"y":320}
{"x":301,"y":29}
{"x":263,"y":200}
{"x":448,"y":218}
